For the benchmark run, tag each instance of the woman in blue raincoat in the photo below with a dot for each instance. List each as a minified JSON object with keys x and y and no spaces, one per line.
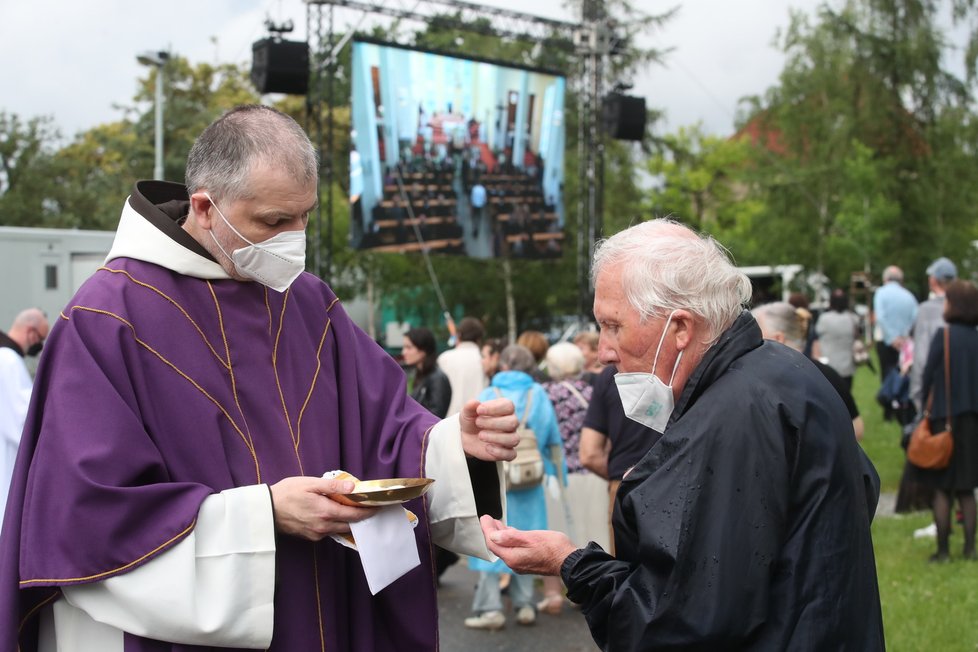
{"x":526,"y":508}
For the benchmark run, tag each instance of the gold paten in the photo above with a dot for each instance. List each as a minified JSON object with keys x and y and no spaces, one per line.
{"x":392,"y":491}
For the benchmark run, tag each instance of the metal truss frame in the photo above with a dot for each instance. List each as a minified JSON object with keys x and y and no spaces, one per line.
{"x":591,"y":41}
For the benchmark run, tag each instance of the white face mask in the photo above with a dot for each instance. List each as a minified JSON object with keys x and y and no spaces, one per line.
{"x":644,"y":397}
{"x":275,"y":263}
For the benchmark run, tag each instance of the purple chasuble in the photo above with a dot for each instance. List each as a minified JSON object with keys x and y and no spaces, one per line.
{"x":160,"y":389}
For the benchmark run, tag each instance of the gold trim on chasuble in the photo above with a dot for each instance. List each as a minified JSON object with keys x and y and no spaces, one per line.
{"x":105,"y":574}
{"x":295,"y":434}
{"x":225,"y":362}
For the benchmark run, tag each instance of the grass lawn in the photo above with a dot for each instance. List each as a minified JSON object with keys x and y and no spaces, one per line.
{"x":925,"y":606}
{"x":881,"y":439}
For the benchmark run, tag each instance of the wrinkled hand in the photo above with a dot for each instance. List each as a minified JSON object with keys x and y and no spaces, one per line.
{"x":489,"y":429}
{"x":303,"y":508}
{"x":535,"y":552}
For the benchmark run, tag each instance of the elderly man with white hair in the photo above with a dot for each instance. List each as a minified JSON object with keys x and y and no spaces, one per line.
{"x":747,"y":525}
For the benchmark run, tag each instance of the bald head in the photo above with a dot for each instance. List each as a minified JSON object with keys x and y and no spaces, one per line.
{"x":30,"y":328}
{"x":893,"y":273}
{"x":782,"y":322}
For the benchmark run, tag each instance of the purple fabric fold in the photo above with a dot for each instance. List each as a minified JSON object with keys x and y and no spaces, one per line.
{"x":159,"y":390}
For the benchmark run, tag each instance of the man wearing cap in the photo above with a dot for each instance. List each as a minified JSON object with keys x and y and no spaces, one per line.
{"x":930,"y":317}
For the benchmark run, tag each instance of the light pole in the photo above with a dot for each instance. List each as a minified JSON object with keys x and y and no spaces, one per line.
{"x":157,"y":59}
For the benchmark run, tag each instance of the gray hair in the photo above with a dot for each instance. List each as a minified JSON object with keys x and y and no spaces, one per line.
{"x":564,"y":360}
{"x":782,"y":317}
{"x":671,"y":267}
{"x":893,"y":273}
{"x":226,"y":152}
{"x":517,"y":357}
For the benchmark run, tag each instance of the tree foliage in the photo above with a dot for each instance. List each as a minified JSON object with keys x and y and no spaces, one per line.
{"x":82,"y":183}
{"x":856,"y":159}
{"x":27,"y":148}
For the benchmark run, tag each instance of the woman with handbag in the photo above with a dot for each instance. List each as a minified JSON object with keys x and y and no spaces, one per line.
{"x":526,"y":506}
{"x":955,"y":410}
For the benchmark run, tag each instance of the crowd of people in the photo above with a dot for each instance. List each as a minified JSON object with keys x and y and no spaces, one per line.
{"x":689,"y":477}
{"x":551,"y":389}
{"x":443,"y":198}
{"x":603,"y":443}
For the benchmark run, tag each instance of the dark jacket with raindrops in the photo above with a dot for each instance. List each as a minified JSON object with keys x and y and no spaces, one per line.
{"x":747,"y":525}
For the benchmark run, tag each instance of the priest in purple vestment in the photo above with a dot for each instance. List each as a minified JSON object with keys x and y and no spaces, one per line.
{"x":168,"y":493}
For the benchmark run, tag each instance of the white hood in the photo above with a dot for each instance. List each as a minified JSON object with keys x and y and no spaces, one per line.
{"x":137,"y":238}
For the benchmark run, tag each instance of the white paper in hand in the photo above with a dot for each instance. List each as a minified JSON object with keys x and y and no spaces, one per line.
{"x":387,"y":546}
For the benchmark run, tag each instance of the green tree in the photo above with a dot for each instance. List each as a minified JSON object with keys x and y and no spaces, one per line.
{"x":82,"y":184}
{"x":93,"y":174}
{"x":703,"y":181}
{"x":195,"y":94}
{"x":26,"y":151}
{"x":864,"y":126}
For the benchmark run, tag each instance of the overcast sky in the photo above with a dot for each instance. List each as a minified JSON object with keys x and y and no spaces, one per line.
{"x":75,"y":60}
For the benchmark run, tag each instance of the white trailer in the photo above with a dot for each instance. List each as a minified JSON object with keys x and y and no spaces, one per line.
{"x":768,"y":279}
{"x":44,"y":268}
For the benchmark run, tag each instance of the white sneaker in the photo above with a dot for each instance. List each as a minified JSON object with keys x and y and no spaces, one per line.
{"x":487,"y":620}
{"x":526,"y":615}
{"x":929,"y":532}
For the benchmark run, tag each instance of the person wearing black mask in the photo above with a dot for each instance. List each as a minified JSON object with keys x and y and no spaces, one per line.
{"x":27,"y":334}
{"x":25,"y":337}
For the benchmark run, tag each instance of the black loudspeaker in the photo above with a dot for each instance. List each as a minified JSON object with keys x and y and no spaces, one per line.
{"x":624,"y":116}
{"x":280,"y":66}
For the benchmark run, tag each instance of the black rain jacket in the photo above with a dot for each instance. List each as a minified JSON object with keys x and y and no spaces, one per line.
{"x":747,"y":525}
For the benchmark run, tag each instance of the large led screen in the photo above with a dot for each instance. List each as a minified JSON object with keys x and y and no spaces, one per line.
{"x":455,"y":155}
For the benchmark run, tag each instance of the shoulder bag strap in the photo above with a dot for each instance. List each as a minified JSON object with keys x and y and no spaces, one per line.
{"x":573,"y":390}
{"x":526,"y":408}
{"x":947,"y":373}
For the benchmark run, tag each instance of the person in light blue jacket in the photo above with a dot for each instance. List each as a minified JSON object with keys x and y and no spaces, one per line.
{"x":525,"y":508}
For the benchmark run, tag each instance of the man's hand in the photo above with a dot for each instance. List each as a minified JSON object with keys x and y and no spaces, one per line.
{"x":536,"y":552}
{"x":489,"y":429}
{"x":303,"y":509}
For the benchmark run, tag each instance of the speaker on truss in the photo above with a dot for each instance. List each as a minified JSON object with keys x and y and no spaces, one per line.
{"x":279,"y":66}
{"x":624,"y":116}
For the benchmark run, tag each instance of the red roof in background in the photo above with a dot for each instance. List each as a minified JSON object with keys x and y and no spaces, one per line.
{"x":762,"y":135}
